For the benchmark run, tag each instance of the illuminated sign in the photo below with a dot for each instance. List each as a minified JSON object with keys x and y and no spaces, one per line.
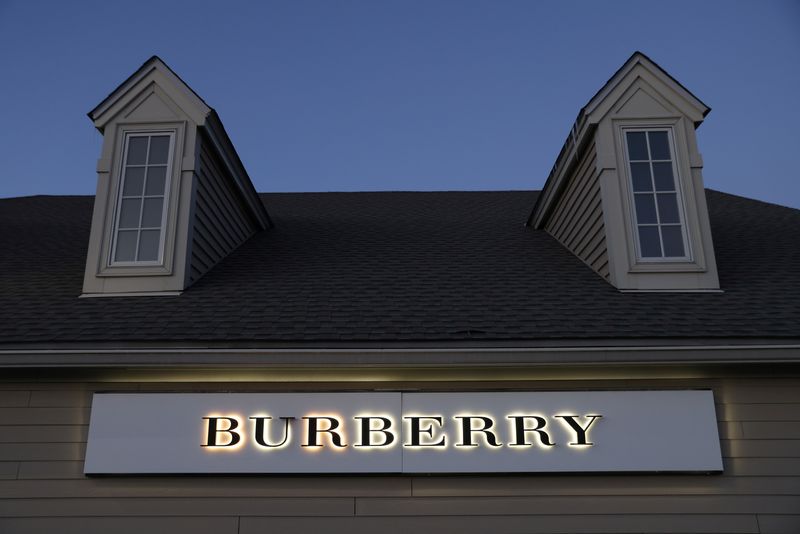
{"x":466,"y":432}
{"x":226,"y":432}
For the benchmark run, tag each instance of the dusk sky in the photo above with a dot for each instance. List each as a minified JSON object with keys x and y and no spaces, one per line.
{"x":391,"y":95}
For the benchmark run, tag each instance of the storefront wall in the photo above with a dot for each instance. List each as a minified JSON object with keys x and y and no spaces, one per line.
{"x":45,"y":418}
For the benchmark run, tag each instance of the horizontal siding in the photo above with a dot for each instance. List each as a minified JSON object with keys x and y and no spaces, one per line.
{"x":82,"y":507}
{"x":221,"y":220}
{"x":706,"y":523}
{"x":43,"y":430}
{"x":503,"y":524}
{"x":398,"y":507}
{"x":578,"y":505}
{"x":120,"y":525}
{"x":577,"y":220}
{"x":43,"y":433}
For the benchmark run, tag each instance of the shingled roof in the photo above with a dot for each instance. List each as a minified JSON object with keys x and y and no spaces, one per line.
{"x":397,"y":267}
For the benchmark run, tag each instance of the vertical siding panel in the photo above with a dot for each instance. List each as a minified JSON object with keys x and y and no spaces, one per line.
{"x":577,"y":239}
{"x":590,"y":248}
{"x":218,"y":240}
{"x":217,"y":213}
{"x":223,"y":194}
{"x":573,"y":193}
{"x":221,"y":222}
{"x":577,"y":221}
{"x":603,"y":267}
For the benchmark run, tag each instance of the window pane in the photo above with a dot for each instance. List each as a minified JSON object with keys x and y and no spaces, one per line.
{"x":659,"y":145}
{"x":159,"y":149}
{"x":645,"y":209}
{"x":649,"y":242}
{"x":662,"y":172}
{"x":148,"y":245}
{"x":137,"y":150}
{"x":637,"y":145}
{"x":673,"y":241}
{"x":155,"y":180}
{"x":668,"y":208}
{"x":640,"y":173}
{"x":134,"y":182}
{"x":151,"y":214}
{"x":126,"y":246}
{"x":129,"y":214}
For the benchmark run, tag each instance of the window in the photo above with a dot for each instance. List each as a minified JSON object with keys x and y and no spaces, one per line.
{"x":141,"y":208}
{"x":658,"y":215}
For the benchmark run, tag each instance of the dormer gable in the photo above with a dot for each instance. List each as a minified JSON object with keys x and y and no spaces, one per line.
{"x":640,"y":71}
{"x":173,"y":198}
{"x":131,"y":94}
{"x":626,"y":192}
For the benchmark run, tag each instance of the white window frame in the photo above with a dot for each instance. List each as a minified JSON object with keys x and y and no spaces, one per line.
{"x":165,"y":203}
{"x":685,"y":235}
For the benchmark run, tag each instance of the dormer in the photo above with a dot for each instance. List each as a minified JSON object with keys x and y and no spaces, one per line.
{"x":173,"y":198}
{"x":626,"y":192}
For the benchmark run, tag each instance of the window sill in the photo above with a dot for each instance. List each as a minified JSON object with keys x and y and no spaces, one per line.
{"x":671,"y":291}
{"x":131,"y":294}
{"x":134,"y":270}
{"x":664,"y":267}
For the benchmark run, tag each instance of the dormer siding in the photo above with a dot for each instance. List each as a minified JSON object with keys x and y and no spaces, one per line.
{"x":221,"y":220}
{"x":577,"y":219}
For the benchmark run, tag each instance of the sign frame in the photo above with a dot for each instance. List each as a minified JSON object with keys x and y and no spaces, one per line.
{"x":631,"y":431}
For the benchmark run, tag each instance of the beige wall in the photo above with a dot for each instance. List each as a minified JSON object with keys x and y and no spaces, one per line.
{"x":44,"y":420}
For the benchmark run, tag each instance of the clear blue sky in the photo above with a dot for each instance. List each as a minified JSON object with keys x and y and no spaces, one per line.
{"x":399,"y":95}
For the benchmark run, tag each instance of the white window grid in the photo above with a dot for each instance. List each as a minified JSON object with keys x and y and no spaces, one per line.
{"x":120,"y":197}
{"x":676,"y":190}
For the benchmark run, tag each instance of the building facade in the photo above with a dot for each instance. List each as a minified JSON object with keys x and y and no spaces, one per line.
{"x":615,"y":353}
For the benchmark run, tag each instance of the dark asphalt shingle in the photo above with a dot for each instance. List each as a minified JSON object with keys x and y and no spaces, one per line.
{"x":440,"y":266}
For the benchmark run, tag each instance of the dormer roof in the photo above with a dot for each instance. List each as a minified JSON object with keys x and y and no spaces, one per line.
{"x":629,"y":71}
{"x":152,"y":70}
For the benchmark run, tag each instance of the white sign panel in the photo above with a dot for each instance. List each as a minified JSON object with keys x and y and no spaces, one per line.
{"x":469,"y":432}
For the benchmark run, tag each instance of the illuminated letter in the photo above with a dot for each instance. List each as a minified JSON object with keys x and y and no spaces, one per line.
{"x":416,"y":431}
{"x":520,"y":430}
{"x":367,"y":430}
{"x":211,"y":440}
{"x":580,"y":432}
{"x":260,"y":433}
{"x":313,"y":430}
{"x":467,"y":430}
